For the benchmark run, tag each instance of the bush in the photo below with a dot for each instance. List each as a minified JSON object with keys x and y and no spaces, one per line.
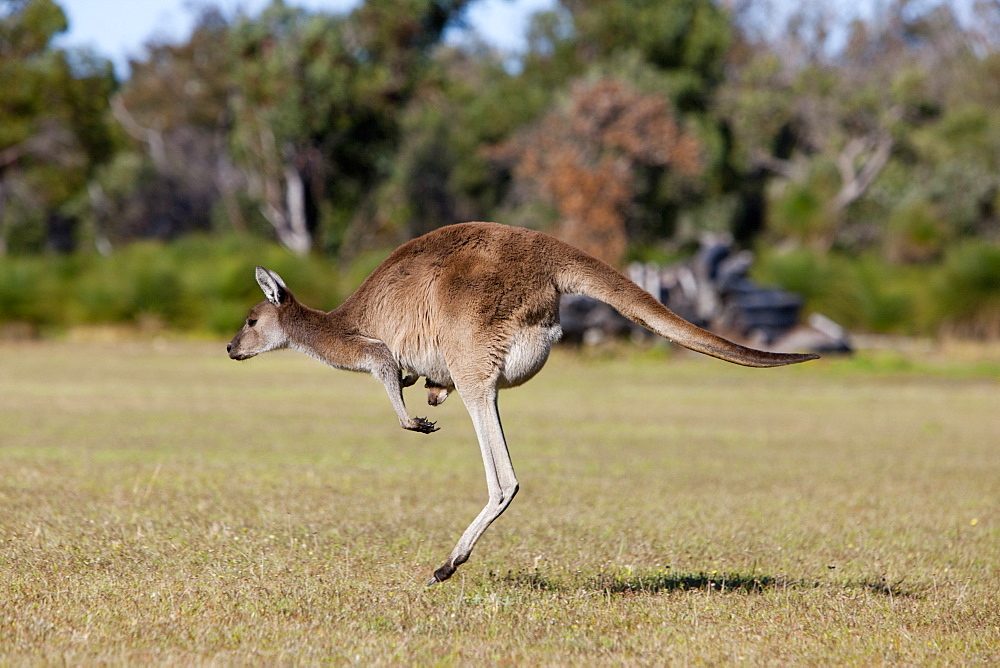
{"x":861,"y":293}
{"x":206,"y":285}
{"x":32,"y":292}
{"x":915,"y":233}
{"x":197,"y":284}
{"x":966,"y":291}
{"x":823,"y":281}
{"x":140,"y":282}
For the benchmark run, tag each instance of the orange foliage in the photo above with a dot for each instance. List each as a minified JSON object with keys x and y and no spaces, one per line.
{"x":582,"y":157}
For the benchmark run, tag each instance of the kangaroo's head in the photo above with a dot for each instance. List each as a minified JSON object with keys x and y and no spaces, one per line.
{"x":263,"y":330}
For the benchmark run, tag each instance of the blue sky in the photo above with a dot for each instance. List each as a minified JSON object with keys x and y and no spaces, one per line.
{"x":117,"y":29}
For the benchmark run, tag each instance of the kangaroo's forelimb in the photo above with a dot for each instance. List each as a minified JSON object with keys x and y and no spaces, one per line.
{"x":388,"y":372}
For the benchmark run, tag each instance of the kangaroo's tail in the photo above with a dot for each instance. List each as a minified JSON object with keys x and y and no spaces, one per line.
{"x":583,"y":274}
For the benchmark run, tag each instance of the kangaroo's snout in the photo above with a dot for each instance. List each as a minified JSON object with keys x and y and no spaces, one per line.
{"x":238,"y":351}
{"x":234,"y":353}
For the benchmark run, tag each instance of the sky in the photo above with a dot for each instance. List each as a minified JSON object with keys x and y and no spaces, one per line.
{"x":117,"y":29}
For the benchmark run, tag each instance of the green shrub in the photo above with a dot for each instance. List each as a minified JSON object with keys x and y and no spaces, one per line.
{"x":822,"y":280}
{"x":966,"y":291}
{"x":195,"y":284}
{"x":861,"y":293}
{"x":101,"y":295}
{"x":887,"y":299}
{"x":32,"y":291}
{"x":203,"y":284}
{"x":798,"y":209}
{"x":915,"y":232}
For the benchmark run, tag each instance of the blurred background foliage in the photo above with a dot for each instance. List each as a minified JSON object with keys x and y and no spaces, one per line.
{"x":858,"y":152}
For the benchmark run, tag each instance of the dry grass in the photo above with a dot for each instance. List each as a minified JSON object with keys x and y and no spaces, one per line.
{"x":161,"y":504}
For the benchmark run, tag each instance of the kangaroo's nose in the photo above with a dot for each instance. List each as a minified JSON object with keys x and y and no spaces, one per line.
{"x":229,"y":347}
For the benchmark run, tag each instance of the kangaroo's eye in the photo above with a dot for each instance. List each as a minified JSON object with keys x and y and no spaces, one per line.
{"x":251,"y":322}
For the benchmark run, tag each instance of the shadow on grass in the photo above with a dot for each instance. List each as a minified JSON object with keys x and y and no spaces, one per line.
{"x":648,"y":582}
{"x":655,"y":582}
{"x":663,"y":581}
{"x":897,"y":589}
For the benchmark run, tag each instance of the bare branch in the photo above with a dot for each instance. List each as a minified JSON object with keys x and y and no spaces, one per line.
{"x":856,"y":182}
{"x":153,"y":139}
{"x":52,"y":142}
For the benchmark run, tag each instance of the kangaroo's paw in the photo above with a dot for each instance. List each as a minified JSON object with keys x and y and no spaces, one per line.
{"x":423,"y":425}
{"x":408,"y":379}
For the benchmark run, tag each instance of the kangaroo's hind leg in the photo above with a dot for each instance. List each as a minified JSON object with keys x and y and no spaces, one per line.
{"x":501,"y":483}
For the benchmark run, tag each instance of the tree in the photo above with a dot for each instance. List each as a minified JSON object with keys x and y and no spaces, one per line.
{"x":685,"y":39}
{"x":53,"y":126}
{"x":175,"y":106}
{"x":584,"y":158}
{"x":842,"y":134}
{"x":317,"y":109}
{"x":611,"y":191}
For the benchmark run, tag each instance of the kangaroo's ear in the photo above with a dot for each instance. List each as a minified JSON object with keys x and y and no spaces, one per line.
{"x":274,"y":288}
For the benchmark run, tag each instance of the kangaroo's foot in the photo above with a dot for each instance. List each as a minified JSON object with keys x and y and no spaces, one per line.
{"x":445,"y":572}
{"x":422,"y":425}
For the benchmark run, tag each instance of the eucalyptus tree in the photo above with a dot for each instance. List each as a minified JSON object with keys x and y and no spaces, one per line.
{"x":54,"y":130}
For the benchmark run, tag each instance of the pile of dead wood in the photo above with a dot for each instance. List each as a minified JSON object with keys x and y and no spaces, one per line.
{"x":714,"y":291}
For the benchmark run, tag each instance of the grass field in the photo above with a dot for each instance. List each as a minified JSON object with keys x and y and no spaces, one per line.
{"x":162,"y":504}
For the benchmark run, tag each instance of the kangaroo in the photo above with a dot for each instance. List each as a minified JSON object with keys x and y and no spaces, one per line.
{"x":472,"y":307}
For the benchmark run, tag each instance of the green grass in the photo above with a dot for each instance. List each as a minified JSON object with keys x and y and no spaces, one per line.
{"x":162,"y":504}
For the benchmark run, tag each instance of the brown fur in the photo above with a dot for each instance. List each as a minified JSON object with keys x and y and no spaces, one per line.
{"x":472,"y":307}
